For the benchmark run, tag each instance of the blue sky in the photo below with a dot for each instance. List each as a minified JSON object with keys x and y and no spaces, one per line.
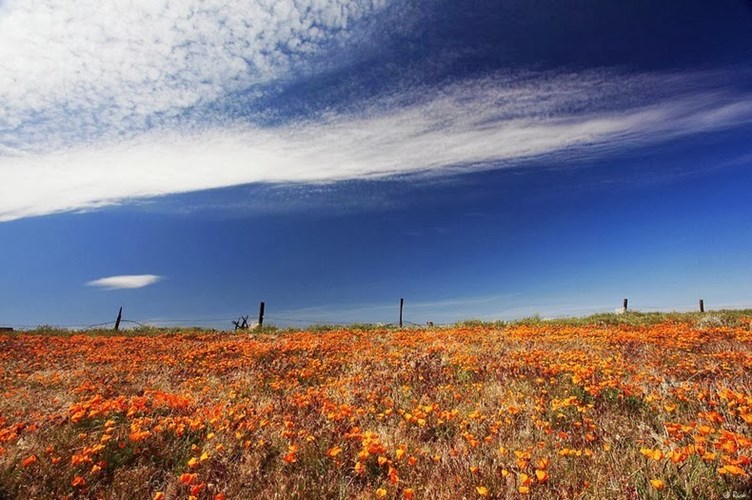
{"x":495,"y":160}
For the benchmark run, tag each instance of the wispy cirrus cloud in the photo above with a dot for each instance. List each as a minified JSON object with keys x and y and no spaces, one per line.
{"x":469,"y":125}
{"x":105,"y":102}
{"x":125,"y":281}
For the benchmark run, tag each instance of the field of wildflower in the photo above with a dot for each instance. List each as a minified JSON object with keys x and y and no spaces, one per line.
{"x":621,"y":407}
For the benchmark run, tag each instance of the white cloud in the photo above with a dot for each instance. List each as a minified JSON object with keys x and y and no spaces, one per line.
{"x":469,"y":125}
{"x":86,"y":67}
{"x":93,"y":97}
{"x":125,"y":281}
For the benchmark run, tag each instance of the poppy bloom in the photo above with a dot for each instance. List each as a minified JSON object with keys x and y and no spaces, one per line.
{"x":658,"y":484}
{"x":187,"y":478}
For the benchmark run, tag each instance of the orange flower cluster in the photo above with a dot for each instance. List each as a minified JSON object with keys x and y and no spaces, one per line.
{"x":553,"y":410}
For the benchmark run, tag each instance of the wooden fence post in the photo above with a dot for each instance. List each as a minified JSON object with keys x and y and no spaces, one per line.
{"x":119,"y":317}
{"x":261,"y":315}
{"x":402,"y":304}
{"x":702,"y":306}
{"x":626,"y":301}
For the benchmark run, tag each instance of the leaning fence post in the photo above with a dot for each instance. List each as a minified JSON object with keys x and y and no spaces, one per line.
{"x":119,"y":317}
{"x":402,"y":304}
{"x":261,"y":315}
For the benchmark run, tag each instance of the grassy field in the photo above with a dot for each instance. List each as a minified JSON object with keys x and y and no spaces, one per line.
{"x":611,"y":406}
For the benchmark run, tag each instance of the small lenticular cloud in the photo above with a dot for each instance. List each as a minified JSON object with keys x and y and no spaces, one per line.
{"x":126,"y":281}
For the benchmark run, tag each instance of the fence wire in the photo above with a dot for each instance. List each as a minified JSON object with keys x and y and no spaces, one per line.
{"x":228,"y":323}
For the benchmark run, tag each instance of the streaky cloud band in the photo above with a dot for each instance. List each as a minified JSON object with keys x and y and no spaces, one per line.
{"x":469,"y":125}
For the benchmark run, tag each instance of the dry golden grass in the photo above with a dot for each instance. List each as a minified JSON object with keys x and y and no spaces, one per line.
{"x":599,"y":409}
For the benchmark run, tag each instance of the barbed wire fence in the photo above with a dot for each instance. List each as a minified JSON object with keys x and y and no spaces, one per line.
{"x":196,"y":322}
{"x":237,"y":323}
{"x":241,"y":323}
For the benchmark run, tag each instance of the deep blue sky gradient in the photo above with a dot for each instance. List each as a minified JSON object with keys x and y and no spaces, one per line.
{"x":664,"y":225}
{"x":548,"y":240}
